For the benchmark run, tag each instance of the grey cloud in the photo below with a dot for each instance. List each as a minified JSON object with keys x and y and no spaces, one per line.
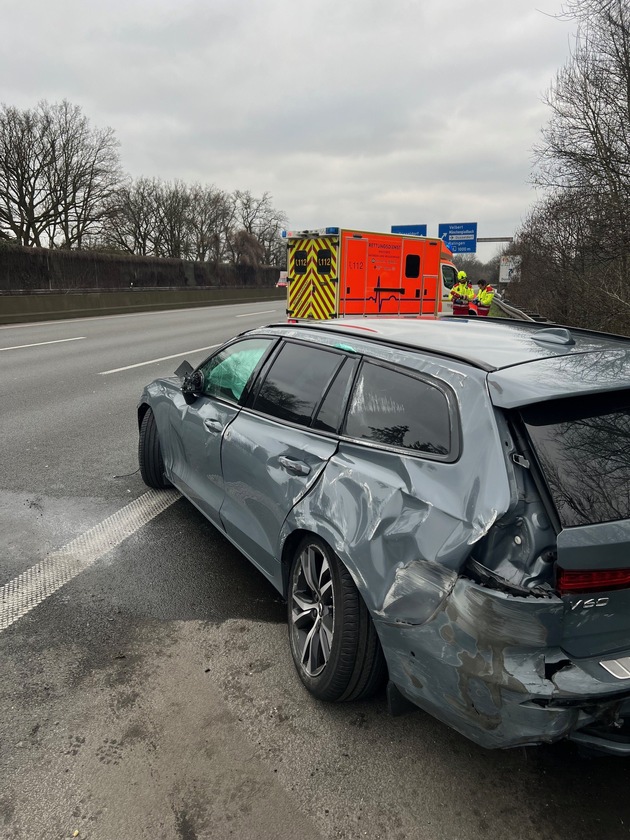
{"x":361,"y":113}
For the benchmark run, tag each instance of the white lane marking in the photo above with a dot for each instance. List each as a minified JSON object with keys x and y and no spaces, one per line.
{"x":25,"y":592}
{"x":152,"y":361}
{"x":251,"y":314}
{"x":96,"y":318}
{"x":41,"y":343}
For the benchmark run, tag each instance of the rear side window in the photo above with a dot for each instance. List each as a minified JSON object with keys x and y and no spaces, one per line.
{"x":296,"y":382}
{"x":583,"y":447}
{"x":399,"y":410}
{"x":331,"y":411}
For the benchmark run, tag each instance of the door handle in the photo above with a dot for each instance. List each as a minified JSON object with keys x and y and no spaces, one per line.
{"x":213,"y":425}
{"x":295,"y":467}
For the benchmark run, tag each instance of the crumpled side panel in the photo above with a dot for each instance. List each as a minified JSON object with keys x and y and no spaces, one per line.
{"x":404,"y":526}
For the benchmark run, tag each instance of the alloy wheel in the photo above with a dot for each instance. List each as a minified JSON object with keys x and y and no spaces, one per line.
{"x":312,"y":610}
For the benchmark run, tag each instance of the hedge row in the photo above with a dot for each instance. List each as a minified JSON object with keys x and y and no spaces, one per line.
{"x":40,"y":269}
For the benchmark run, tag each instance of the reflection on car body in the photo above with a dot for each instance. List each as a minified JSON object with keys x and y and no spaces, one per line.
{"x":443,"y":502}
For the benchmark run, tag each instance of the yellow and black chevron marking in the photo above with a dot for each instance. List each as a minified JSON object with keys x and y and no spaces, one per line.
{"x":313,"y":294}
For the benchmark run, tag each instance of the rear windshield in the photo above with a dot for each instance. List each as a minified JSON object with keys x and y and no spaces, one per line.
{"x":583,"y":446}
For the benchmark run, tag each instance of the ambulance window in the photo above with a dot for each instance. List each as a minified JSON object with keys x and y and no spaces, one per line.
{"x":412,"y":266}
{"x":449,"y":276}
{"x":324,"y":261}
{"x":300,"y":259}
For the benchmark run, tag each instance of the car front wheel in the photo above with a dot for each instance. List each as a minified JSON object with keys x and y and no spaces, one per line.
{"x":150,"y":454}
{"x":333,"y":641}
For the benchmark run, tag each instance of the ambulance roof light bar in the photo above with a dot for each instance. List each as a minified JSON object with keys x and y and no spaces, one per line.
{"x":329,"y":231}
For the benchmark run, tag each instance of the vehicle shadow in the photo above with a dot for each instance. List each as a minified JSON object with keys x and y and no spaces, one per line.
{"x":184,"y":569}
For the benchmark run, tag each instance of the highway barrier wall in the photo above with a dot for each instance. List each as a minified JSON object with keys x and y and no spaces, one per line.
{"x":19,"y":309}
{"x":39,"y":284}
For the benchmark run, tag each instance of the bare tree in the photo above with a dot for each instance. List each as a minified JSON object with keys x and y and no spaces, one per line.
{"x":567,"y":272}
{"x":258,"y":217}
{"x":171,"y":237}
{"x":211,"y":212}
{"x":27,"y":207}
{"x":85,"y":173}
{"x":57,"y":174}
{"x":576,"y":242}
{"x":132,"y":218}
{"x":194,"y":222}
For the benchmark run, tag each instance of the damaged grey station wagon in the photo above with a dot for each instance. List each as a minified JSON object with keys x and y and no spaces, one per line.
{"x":444,"y":503}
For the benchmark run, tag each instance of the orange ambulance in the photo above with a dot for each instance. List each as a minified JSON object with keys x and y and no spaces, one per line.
{"x":335,"y":272}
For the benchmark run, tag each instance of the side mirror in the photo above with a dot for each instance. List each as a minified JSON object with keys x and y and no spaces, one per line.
{"x":192,"y":384}
{"x":184,"y":369}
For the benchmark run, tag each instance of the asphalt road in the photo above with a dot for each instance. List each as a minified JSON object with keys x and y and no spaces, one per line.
{"x":153,"y":695}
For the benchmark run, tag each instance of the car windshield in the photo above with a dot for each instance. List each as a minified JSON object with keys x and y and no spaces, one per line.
{"x":583,"y":445}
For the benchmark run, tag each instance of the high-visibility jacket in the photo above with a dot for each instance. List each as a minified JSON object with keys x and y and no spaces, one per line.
{"x":485,"y":296}
{"x":462,"y":290}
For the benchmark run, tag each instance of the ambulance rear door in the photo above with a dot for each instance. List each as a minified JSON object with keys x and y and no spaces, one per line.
{"x":411,"y":276}
{"x":386,"y":289}
{"x":431,"y":278}
{"x":354,"y":274}
{"x":313,"y":283}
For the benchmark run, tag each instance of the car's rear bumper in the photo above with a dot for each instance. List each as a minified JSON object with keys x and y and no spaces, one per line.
{"x":484,"y":666}
{"x":603,"y":742}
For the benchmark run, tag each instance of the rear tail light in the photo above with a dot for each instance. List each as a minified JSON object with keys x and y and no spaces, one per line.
{"x":571,"y":580}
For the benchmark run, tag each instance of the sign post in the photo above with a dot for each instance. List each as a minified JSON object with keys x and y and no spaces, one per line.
{"x":509,"y":268}
{"x":461,"y":237}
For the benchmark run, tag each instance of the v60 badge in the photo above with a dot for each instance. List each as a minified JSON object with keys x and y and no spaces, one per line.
{"x":589,"y":603}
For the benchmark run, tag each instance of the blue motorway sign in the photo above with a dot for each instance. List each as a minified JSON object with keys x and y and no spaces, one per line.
{"x":461,"y":238}
{"x":411,"y":230}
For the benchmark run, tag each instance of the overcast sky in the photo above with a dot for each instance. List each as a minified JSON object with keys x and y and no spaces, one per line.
{"x":358,"y":113}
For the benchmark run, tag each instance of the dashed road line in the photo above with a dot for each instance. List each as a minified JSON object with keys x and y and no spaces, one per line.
{"x":41,"y":343}
{"x":153,"y":361}
{"x":251,"y":314}
{"x":25,"y":592}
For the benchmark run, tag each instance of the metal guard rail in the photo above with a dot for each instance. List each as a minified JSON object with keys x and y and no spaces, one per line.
{"x":512,"y":311}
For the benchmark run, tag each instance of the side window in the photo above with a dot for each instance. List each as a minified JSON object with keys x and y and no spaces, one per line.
{"x":412,"y":266}
{"x":331,"y":410}
{"x":226,"y":374}
{"x":296,"y":382}
{"x":449,"y":277}
{"x":399,"y":410}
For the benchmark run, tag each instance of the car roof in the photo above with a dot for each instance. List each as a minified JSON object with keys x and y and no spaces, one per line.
{"x":526,"y":361}
{"x":488,"y":343}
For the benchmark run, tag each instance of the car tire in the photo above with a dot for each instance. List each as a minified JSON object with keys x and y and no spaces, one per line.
{"x":150,"y":454}
{"x":334,"y":644}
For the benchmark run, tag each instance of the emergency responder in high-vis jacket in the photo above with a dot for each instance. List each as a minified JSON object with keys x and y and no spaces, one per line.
{"x":484,"y":298}
{"x":461,"y":295}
